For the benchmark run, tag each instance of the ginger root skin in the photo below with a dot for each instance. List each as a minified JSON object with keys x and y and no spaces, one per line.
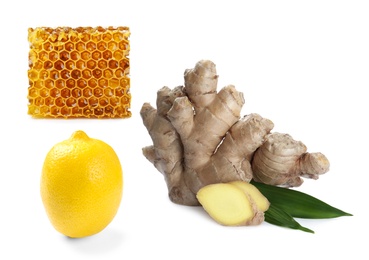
{"x":230,"y":204}
{"x":198,"y":135}
{"x":282,"y":161}
{"x":199,"y":138}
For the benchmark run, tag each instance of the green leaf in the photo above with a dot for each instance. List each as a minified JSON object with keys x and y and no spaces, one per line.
{"x":278,"y":217}
{"x":298,"y":204}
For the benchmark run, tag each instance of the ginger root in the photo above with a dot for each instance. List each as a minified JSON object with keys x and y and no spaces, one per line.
{"x":231,"y":204}
{"x":282,"y":161}
{"x":199,"y":138}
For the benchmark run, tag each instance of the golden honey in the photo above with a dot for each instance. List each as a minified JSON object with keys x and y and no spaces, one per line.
{"x":79,"y":72}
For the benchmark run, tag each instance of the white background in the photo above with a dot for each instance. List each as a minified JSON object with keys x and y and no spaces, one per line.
{"x":302,"y":64}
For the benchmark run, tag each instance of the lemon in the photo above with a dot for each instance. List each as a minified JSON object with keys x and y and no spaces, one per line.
{"x":81,"y":185}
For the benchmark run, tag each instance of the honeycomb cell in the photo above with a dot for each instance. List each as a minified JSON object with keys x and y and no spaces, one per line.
{"x":87,"y":112}
{"x":65,"y":111}
{"x":107,"y":37}
{"x":99,"y":111}
{"x":96,"y":55}
{"x":55,"y":111}
{"x":114,"y":101}
{"x":91,"y":64}
{"x":38,"y":101}
{"x":65,"y":74}
{"x":93,"y":101}
{"x":33,"y":109}
{"x":69,"y":65}
{"x":77,"y":112}
{"x":103,"y":101}
{"x":44,"y":109}
{"x":124,"y":64}
{"x":59,"y":65}
{"x":69,"y":46}
{"x":92,"y":82}
{"x":44,"y":92}
{"x":49,"y":101}
{"x":65,"y":93}
{"x":81,"y":83}
{"x":86,"y":74}
{"x":76,"y":74}
{"x":71,"y":83}
{"x":96,"y":37}
{"x":113,"y":64}
{"x":112,"y":46}
{"x":97,"y":73}
{"x":48,"y":65}
{"x":80,"y":46}
{"x":39,"y":84}
{"x":108,"y":74}
{"x":121,"y":110}
{"x":43,"y":56}
{"x":91,"y":46}
{"x":125,"y":100}
{"x":98,"y":92}
{"x":102,"y":64}
{"x":76,"y":93}
{"x":53,"y":56}
{"x":114,"y":83}
{"x":80,"y":64}
{"x":38,"y":65}
{"x":124,"y":45}
{"x":107,"y":55}
{"x":33,"y":75}
{"x":47,"y":46}
{"x":118,"y":55}
{"x":43,"y":74}
{"x":54,"y":92}
{"x":119,"y":73}
{"x":60,"y":83}
{"x":85,"y":36}
{"x":86,"y":55}
{"x":101,"y":46}
{"x":118,"y":36}
{"x":125,"y":82}
{"x":119,"y":92}
{"x":103,"y":83}
{"x":64,"y":56}
{"x":49,"y":83}
{"x":75,"y":55}
{"x":87,"y":92}
{"x":60,"y":102}
{"x":73,"y":36}
{"x":71,"y":102}
{"x":109,"y":109}
{"x":54,"y":74}
{"x":79,"y":72}
{"x":32,"y":92}
{"x":82,"y":102}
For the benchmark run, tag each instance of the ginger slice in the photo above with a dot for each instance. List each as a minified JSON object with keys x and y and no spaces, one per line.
{"x":258,"y":198}
{"x":227,"y":204}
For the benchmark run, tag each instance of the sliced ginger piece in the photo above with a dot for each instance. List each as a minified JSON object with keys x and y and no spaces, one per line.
{"x":259,"y":199}
{"x":227,"y":204}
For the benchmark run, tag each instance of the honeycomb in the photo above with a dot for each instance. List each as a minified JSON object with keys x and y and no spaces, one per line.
{"x":79,"y":72}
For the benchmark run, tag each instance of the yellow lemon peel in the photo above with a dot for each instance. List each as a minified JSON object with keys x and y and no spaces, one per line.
{"x":81,"y":185}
